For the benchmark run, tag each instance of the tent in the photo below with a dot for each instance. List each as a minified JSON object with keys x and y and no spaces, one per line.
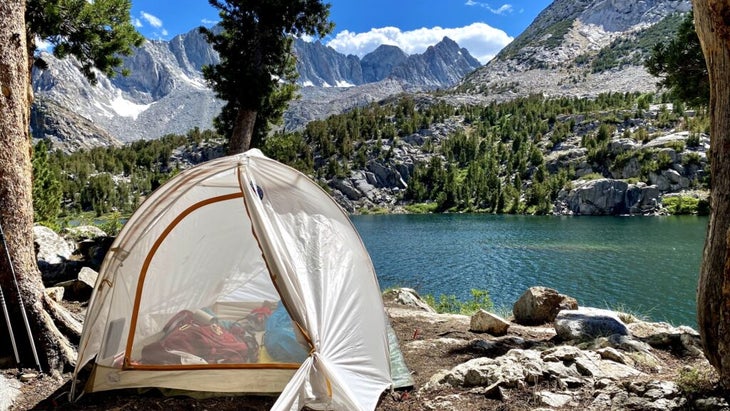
{"x":240,"y":275}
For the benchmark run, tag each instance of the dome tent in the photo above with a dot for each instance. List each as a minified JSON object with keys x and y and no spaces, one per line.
{"x":204,"y":262}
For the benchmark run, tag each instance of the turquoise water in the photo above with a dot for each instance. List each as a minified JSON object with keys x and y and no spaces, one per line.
{"x":647,"y":265}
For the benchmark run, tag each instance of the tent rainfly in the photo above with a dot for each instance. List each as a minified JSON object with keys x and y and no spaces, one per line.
{"x":239,"y":275}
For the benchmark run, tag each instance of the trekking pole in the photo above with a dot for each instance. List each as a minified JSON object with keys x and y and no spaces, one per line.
{"x":20,"y":300}
{"x":10,"y":327}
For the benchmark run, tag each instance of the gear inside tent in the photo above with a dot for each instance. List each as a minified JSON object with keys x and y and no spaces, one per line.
{"x":241,"y":275}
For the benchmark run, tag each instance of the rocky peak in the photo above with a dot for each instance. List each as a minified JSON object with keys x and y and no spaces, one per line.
{"x":322,"y":66}
{"x":379,"y":64}
{"x":192,"y":51}
{"x":441,"y":64}
{"x":578,"y":47}
{"x":627,"y":15}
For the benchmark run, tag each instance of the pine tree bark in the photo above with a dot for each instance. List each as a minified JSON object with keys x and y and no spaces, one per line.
{"x":712,"y":22}
{"x":242,"y":133}
{"x":16,"y":204}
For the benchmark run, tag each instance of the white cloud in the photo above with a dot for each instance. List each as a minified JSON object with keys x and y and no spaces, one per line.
{"x":159,"y":32}
{"x":482,"y":40}
{"x":208,"y":21}
{"x":503,"y":9}
{"x":153,"y":20}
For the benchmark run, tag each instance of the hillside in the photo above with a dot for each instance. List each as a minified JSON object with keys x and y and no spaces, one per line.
{"x":579,"y":48}
{"x":530,"y":155}
{"x":613,"y":155}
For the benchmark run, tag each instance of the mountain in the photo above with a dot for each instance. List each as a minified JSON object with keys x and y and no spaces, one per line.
{"x":580,"y":48}
{"x":166,"y":93}
{"x":332,"y":83}
{"x":441,"y":65}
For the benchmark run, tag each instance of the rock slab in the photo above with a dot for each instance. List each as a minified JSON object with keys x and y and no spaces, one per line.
{"x":588,"y":323}
{"x":540,"y":305}
{"x":483,"y":321}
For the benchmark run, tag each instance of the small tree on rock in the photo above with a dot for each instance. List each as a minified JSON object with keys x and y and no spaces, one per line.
{"x":256,"y":73}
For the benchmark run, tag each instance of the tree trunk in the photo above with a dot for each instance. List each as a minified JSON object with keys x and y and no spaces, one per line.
{"x":242,"y":131}
{"x":16,"y":204}
{"x":712,"y":22}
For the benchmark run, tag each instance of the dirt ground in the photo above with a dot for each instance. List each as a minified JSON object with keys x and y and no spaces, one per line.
{"x":421,"y":338}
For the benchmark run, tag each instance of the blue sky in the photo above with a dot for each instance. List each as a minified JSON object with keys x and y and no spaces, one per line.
{"x":483,"y":27}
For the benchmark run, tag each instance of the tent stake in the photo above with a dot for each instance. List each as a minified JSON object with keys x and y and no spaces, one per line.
{"x":20,"y":300}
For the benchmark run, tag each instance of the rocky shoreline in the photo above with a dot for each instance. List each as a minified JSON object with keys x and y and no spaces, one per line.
{"x":581,"y":358}
{"x":551,"y":353}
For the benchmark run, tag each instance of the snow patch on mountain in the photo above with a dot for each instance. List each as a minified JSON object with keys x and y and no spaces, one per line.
{"x":126,"y":108}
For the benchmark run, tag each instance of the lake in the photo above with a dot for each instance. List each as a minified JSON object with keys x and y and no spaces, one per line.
{"x":644,"y":265}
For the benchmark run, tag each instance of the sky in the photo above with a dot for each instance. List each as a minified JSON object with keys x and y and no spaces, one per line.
{"x":482,"y":27}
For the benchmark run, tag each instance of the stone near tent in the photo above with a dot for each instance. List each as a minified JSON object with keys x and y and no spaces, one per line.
{"x":408,"y":297}
{"x":80,"y":289}
{"x":483,"y":321}
{"x":540,"y":305}
{"x":588,"y":323}
{"x":553,"y":399}
{"x":55,"y":293}
{"x":681,"y":340}
{"x":52,"y":253}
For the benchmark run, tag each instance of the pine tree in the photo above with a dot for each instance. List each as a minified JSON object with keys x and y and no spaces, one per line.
{"x":682,"y":65}
{"x":256,"y":73}
{"x":47,"y":193}
{"x":95,"y":32}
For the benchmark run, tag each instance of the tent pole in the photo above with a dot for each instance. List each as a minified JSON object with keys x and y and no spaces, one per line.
{"x":10,"y":327}
{"x":20,"y":300}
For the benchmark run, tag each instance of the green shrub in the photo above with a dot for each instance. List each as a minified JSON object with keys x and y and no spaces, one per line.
{"x":664,"y":160}
{"x":678,"y":205}
{"x":641,"y":135}
{"x":693,"y":140}
{"x":678,"y":146}
{"x":648,"y":167}
{"x":422,"y":208}
{"x":592,"y":176}
{"x":694,"y":381}
{"x":374,"y":211}
{"x":623,"y":158}
{"x":480,"y":299}
{"x":691,"y":158}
